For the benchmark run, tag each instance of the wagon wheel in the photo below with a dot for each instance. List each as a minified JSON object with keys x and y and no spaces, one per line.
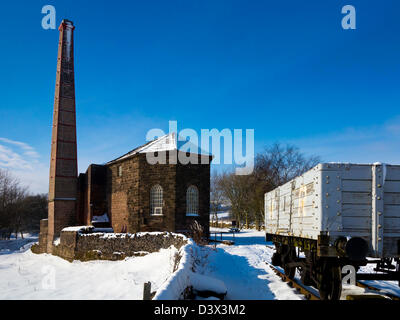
{"x":289,"y":271}
{"x":288,"y":255}
{"x":276,"y":258}
{"x":330,"y":283}
{"x":305,"y":271}
{"x":305,"y":277}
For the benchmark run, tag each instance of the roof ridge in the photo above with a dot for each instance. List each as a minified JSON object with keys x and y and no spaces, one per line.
{"x":168,"y":146}
{"x":146,"y":145}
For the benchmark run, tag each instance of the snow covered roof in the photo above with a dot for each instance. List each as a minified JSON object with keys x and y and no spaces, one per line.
{"x":164,"y":143}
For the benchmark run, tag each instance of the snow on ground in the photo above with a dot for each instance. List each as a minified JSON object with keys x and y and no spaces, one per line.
{"x":243,"y":269}
{"x":386,"y":286}
{"x":224,"y":214}
{"x":25,"y":275}
{"x":9,"y":246}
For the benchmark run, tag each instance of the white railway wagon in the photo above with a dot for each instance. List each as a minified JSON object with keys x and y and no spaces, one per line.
{"x":337,"y":210}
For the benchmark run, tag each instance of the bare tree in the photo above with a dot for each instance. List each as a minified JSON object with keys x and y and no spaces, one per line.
{"x":279,"y":164}
{"x":19,"y":211}
{"x":274,"y":167}
{"x":216,"y":195}
{"x":34,"y":209}
{"x":12,"y":195}
{"x":237,"y":189}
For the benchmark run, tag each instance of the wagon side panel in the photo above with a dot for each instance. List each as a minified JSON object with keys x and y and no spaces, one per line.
{"x":305,"y":213}
{"x":391,"y":210}
{"x":347,"y":201}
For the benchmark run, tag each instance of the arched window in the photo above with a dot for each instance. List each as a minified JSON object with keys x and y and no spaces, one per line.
{"x":192,"y":201}
{"x":156,"y":200}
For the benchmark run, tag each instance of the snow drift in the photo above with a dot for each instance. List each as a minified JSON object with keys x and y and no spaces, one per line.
{"x":185,"y":277}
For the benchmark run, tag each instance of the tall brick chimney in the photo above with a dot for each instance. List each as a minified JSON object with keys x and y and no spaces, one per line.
{"x":63,"y":162}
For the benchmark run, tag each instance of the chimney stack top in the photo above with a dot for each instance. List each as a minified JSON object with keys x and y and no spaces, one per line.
{"x":66,"y":21}
{"x":66,"y":24}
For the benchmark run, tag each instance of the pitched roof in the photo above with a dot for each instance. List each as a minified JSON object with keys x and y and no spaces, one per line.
{"x":164,"y":143}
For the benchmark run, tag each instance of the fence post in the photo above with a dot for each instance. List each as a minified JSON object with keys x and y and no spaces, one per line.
{"x":147,"y":291}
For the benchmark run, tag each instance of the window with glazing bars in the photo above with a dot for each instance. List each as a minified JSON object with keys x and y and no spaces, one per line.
{"x":156,"y":200}
{"x":192,"y":201}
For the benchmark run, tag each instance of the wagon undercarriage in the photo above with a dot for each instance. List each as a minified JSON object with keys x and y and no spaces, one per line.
{"x":326,"y":272}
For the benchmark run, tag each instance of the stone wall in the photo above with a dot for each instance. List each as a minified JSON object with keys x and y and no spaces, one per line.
{"x":92,"y":198}
{"x":81,"y":202}
{"x":165,"y":176}
{"x":41,"y":247}
{"x":127,"y":193}
{"x":62,"y":213}
{"x":123,"y":193}
{"x":197,"y":175}
{"x":86,"y":244}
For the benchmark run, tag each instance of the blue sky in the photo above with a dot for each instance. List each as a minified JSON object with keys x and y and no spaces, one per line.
{"x":286,"y":69}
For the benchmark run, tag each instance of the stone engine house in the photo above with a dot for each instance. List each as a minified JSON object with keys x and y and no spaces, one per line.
{"x":139,"y":196}
{"x":130,"y":194}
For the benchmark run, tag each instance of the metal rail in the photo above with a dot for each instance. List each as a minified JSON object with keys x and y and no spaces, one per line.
{"x":369,"y":287}
{"x":294,"y":284}
{"x":309,"y":295}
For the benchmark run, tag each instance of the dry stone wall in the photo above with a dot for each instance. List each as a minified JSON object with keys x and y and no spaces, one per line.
{"x":86,"y":244}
